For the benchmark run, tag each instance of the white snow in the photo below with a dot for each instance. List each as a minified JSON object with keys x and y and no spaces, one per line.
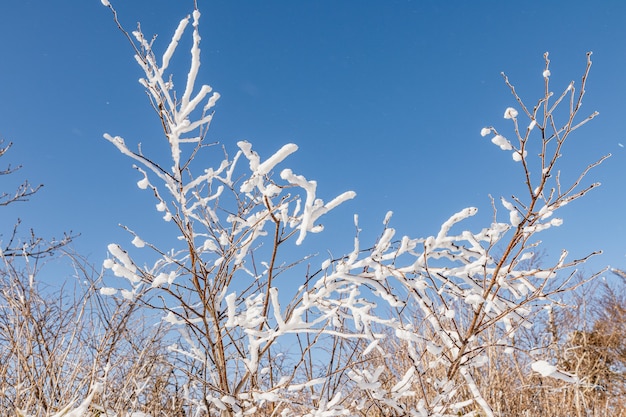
{"x":546,"y":73}
{"x":298,"y":387}
{"x":122,"y":256}
{"x":510,"y":113}
{"x":517,"y":156}
{"x":173,"y":43}
{"x":502,"y":142}
{"x":138,"y":242}
{"x":128,"y":295}
{"x":546,"y":370}
{"x":485,"y":131}
{"x":212,"y":100}
{"x":405,"y":383}
{"x":160,"y":279}
{"x":515,"y":218}
{"x":434,"y":349}
{"x":556,"y":222}
{"x":545,"y":212}
{"x":143,"y":184}
{"x":474,"y":299}
{"x":313,"y":207}
{"x":108,"y":291}
{"x":275,"y":159}
{"x":545,"y":274}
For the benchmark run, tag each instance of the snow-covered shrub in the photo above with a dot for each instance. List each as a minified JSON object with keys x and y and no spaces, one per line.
{"x":397,"y":327}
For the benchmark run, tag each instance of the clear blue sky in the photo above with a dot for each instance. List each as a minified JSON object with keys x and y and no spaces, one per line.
{"x":386,"y":98}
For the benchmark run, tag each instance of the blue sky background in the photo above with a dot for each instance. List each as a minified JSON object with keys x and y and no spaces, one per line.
{"x":383,"y":98}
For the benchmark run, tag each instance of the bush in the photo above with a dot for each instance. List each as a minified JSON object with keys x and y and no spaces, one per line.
{"x":399,"y":326}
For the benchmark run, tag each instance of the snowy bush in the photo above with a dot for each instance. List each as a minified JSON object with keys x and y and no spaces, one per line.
{"x":399,"y":326}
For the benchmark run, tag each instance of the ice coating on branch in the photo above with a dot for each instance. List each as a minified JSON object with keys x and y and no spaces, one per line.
{"x":546,"y":370}
{"x":128,"y":295}
{"x":474,"y":299}
{"x":556,"y":222}
{"x":485,"y":131}
{"x":502,"y":142}
{"x":108,"y":291}
{"x":510,"y":113}
{"x":119,"y":143}
{"x":517,"y":156}
{"x":461,"y":215}
{"x":173,"y":44}
{"x":514,"y":216}
{"x":253,"y":157}
{"x":313,"y":207}
{"x":160,"y":279}
{"x":507,"y":205}
{"x":212,"y":100}
{"x":313,"y":382}
{"x":105,"y":3}
{"x":186,"y":106}
{"x":383,"y":244}
{"x":122,"y":256}
{"x":545,"y":212}
{"x":260,"y":170}
{"x":264,"y":168}
{"x":275,"y":159}
{"x":121,"y":265}
{"x":143,"y":183}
